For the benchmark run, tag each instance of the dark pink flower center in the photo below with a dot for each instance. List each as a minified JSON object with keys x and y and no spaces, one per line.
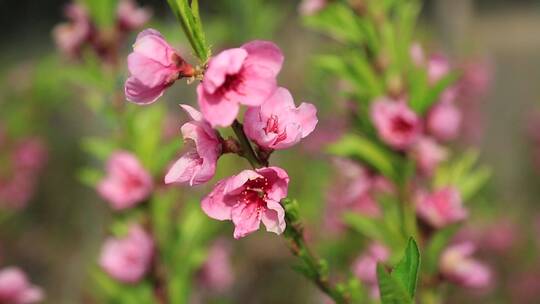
{"x":272,"y":126}
{"x":401,"y":125}
{"x":231,"y":83}
{"x":255,"y":192}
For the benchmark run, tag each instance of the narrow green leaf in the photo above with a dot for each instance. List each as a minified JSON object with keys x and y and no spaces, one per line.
{"x":406,"y":270}
{"x":375,"y":155}
{"x":391,"y":290}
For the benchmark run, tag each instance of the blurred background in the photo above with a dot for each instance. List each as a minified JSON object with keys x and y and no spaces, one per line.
{"x":57,"y":238}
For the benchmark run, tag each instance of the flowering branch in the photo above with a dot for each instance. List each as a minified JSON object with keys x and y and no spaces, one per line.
{"x":313,"y":268}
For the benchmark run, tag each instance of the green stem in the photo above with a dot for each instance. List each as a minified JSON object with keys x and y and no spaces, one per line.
{"x":314,"y":269}
{"x":247,"y":150}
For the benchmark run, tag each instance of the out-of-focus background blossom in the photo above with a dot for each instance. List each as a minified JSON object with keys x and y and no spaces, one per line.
{"x":52,"y":226}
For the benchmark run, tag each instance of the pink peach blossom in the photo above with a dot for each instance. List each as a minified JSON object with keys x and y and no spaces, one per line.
{"x":72,"y":35}
{"x":438,"y":66}
{"x":277,"y":123}
{"x":216,"y":273}
{"x":245,"y":75}
{"x":30,"y":154}
{"x":441,"y":208}
{"x":153,"y":65}
{"x":396,"y":124}
{"x":249,"y":198}
{"x":365,"y":266}
{"x":353,"y":189}
{"x":127,"y":259}
{"x":443,"y":121}
{"x":130,"y":16}
{"x":311,"y":7}
{"x":127,"y":182}
{"x":428,"y":154}
{"x":15,"y":288}
{"x":198,"y":164}
{"x":457,"y":265}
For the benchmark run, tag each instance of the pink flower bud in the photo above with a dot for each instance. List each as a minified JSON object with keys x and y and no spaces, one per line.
{"x":277,"y":123}
{"x":198,"y":164}
{"x":130,"y":16}
{"x":428,"y":154}
{"x":458,"y":266}
{"x":249,"y":198}
{"x":15,"y":288}
{"x":441,"y":208}
{"x":127,"y":182}
{"x":127,"y":259}
{"x":72,"y":35}
{"x":443,"y":121}
{"x":216,"y":273}
{"x":245,"y":75}
{"x":396,"y":124}
{"x":438,"y":67}
{"x":153,"y":66}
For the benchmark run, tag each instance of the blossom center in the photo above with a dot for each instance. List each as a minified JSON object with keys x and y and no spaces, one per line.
{"x":272,"y":126}
{"x":256,"y":192}
{"x":400,"y":124}
{"x":231,"y":83}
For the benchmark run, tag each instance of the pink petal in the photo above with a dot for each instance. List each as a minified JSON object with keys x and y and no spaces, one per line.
{"x":307,"y":118}
{"x":274,"y":217}
{"x":217,"y":111}
{"x":137,"y":92}
{"x":246,"y":219}
{"x":265,"y":55}
{"x":214,"y":205}
{"x":192,"y":112}
{"x":228,"y":62}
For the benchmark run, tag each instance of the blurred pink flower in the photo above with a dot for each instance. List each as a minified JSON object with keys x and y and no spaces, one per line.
{"x":153,"y":65}
{"x":198,"y":164}
{"x":127,"y":182}
{"x":17,"y":190}
{"x":277,"y":123}
{"x":457,"y":265}
{"x":15,"y":288}
{"x":417,"y":54}
{"x":128,"y":259}
{"x":396,"y":123}
{"x":428,"y":154}
{"x":131,"y":16}
{"x":352,"y":189}
{"x":245,"y":75}
{"x":311,"y":7}
{"x":18,"y":179}
{"x":365,"y":266}
{"x":443,"y":121}
{"x":216,"y":273}
{"x":72,"y":35}
{"x":438,"y":66}
{"x":30,"y":154}
{"x":249,"y":198}
{"x":441,"y":208}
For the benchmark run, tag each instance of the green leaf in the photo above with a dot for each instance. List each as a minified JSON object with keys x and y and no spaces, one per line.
{"x":89,"y":176}
{"x":99,"y":148}
{"x":391,"y":290}
{"x":406,"y":270}
{"x":375,"y":155}
{"x":339,"y":22}
{"x":372,"y":228}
